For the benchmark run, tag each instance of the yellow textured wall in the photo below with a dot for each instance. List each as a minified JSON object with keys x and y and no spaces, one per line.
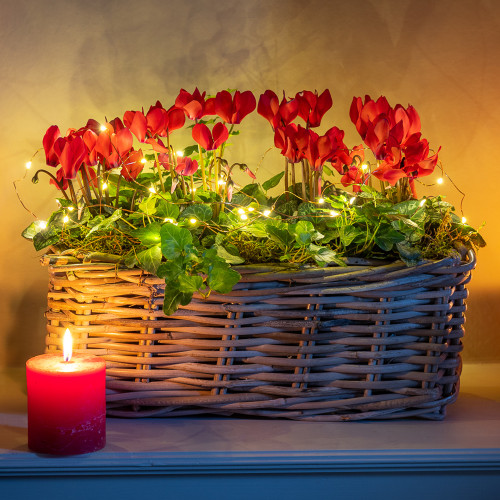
{"x":62,"y":62}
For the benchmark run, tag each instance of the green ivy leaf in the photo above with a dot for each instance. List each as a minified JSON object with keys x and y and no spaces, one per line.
{"x":169,"y":271}
{"x":167,"y":209}
{"x":174,"y":240}
{"x":369,"y":192}
{"x":148,"y":235}
{"x":190,"y":284}
{"x":255,"y":192}
{"x":104,"y":223}
{"x":201,"y":212}
{"x":46,"y":237}
{"x":173,"y":298}
{"x":325,"y":255}
{"x":150,"y":259}
{"x":30,"y":231}
{"x":387,"y":237}
{"x":190,"y":150}
{"x":280,"y":234}
{"x":230,"y":258}
{"x":148,"y":205}
{"x":348,"y":234}
{"x":131,"y":260}
{"x":222,"y":278}
{"x":273,"y":181}
{"x":303,"y":232}
{"x":409,"y":254}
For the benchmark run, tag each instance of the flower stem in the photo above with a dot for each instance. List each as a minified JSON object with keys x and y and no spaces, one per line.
{"x":72,"y":191}
{"x":158,"y":168}
{"x":287,"y":197}
{"x":202,"y":166}
{"x":54,"y":178}
{"x":83,"y":186}
{"x":304,"y":180}
{"x":191,"y":179}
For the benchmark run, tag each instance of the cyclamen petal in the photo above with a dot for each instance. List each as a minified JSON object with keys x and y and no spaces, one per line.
{"x":132,"y":166}
{"x":136,"y":122}
{"x":50,"y":137}
{"x":210,"y":140}
{"x":71,"y":153}
{"x":186,"y":166}
{"x":201,"y":134}
{"x":268,"y":106}
{"x":175,"y":119}
{"x":156,"y":120}
{"x":122,"y":141}
{"x":220,"y":134}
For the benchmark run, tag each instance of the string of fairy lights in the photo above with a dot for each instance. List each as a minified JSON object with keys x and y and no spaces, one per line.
{"x":246,"y":214}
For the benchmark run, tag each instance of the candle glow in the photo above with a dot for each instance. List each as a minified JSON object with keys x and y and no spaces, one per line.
{"x":67,"y":345}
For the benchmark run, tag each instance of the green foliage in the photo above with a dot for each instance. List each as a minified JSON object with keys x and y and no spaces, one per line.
{"x":192,"y":241}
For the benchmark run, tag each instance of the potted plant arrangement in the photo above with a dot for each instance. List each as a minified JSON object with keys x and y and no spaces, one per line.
{"x":339,"y":298}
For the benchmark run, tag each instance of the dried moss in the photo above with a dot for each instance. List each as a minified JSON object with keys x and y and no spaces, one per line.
{"x":111,"y":241}
{"x":255,"y":250}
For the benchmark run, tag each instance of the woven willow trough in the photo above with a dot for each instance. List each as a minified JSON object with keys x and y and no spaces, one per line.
{"x":331,"y":344}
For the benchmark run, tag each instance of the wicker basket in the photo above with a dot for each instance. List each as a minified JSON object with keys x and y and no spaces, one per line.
{"x":331,"y":344}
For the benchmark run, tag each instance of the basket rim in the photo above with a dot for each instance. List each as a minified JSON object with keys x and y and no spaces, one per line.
{"x":71,"y":262}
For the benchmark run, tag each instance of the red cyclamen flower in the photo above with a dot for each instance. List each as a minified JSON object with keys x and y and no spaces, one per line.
{"x":394,"y":137}
{"x":53,"y":133}
{"x":71,"y":152}
{"x":277,"y":114}
{"x":136,"y":122}
{"x":194,"y":105}
{"x":232,"y":109}
{"x":292,"y":140}
{"x":112,"y":147}
{"x":210,"y":140}
{"x":162,"y":122}
{"x":313,"y":107}
{"x":186,"y":166}
{"x":132,"y":165}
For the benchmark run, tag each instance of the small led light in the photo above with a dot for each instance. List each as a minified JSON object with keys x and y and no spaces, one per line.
{"x":193,"y":220}
{"x":220,"y":182}
{"x":179,"y":153}
{"x":352,"y":200}
{"x":168,"y":219}
{"x":241,"y":211}
{"x":334,"y":213}
{"x":440,"y":180}
{"x":423,"y":202}
{"x":103,"y":128}
{"x":41,"y":224}
{"x":464,"y":220}
{"x":266,"y":213}
{"x":152,"y":190}
{"x":71,"y":208}
{"x":243,"y":216}
{"x":104,"y":185}
{"x":143,"y":160}
{"x":321,"y":201}
{"x":65,"y":219}
{"x":28,"y":165}
{"x":251,"y":209}
{"x":364,"y":167}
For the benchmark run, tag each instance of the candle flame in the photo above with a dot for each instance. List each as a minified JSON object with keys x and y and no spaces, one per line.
{"x":67,"y":345}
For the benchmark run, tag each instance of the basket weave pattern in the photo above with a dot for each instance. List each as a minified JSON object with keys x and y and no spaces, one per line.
{"x":339,"y":343}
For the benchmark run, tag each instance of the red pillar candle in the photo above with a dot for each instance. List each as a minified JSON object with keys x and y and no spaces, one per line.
{"x":66,"y":404}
